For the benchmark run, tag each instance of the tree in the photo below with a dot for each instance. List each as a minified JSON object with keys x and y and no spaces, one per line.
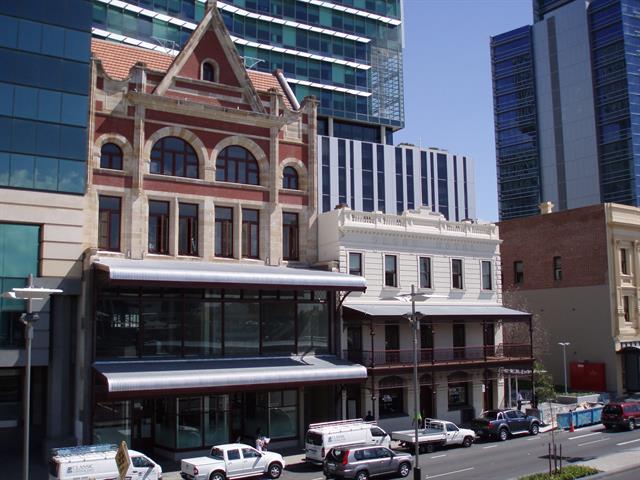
{"x":543,"y":383}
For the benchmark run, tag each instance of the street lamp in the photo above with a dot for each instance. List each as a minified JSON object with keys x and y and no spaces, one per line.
{"x":564,"y":346}
{"x":28,"y":293}
{"x":414,"y":317}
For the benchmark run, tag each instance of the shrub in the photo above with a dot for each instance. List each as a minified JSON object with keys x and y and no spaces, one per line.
{"x":568,"y":473}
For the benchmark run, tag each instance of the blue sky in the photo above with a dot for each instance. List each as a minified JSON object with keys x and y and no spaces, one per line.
{"x":447,"y":78}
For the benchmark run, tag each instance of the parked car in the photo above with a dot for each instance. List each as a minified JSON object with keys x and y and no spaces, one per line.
{"x":364,"y":461}
{"x":233,"y":460}
{"x":621,"y":414}
{"x":502,"y":424}
{"x":436,"y":433}
{"x":98,"y":462}
{"x":321,"y":437}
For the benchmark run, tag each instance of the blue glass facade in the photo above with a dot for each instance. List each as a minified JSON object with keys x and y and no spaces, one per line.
{"x":349,"y":57}
{"x":518,"y":167}
{"x":44,"y":88}
{"x":614,"y":31}
{"x":542,"y":7}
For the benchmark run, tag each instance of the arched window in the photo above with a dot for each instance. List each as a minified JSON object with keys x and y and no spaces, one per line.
{"x":237,"y":164}
{"x":391,"y":396}
{"x":173,"y":156}
{"x":290,"y":178}
{"x":208,"y":72}
{"x":458,"y":383}
{"x":111,"y":156}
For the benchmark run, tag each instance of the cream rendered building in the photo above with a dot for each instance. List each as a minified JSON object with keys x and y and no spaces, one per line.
{"x":462,"y":352}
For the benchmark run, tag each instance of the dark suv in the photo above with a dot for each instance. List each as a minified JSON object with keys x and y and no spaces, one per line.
{"x":622,"y":414}
{"x":503,"y":423}
{"x":362,"y":462}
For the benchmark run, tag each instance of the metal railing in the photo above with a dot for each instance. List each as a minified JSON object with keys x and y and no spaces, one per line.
{"x":439,"y":356}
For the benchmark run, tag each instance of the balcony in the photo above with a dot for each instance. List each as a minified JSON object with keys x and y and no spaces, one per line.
{"x":490,"y":354}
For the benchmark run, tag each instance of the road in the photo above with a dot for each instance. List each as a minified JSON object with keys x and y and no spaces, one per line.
{"x":510,"y":459}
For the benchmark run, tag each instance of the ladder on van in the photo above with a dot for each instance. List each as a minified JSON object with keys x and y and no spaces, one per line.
{"x":336,"y":423}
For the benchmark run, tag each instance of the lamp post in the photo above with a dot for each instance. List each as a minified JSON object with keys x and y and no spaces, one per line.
{"x":28,"y":293}
{"x":414,"y":317}
{"x":564,"y":346}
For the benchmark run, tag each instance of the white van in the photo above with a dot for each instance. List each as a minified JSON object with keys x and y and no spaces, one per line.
{"x":322,"y":437}
{"x":98,"y":462}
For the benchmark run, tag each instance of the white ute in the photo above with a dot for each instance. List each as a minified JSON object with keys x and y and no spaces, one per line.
{"x":233,"y":460}
{"x":436,"y":433}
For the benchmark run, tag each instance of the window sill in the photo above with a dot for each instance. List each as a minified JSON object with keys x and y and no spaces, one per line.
{"x":110,"y":171}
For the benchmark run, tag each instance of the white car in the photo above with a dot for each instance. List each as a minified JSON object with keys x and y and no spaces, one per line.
{"x":233,"y":460}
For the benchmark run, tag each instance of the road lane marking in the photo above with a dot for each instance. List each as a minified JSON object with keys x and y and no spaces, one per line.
{"x":439,"y":456}
{"x":491,"y":446}
{"x":593,"y":441}
{"x":585,"y":435}
{"x":630,"y":441}
{"x":450,"y":473}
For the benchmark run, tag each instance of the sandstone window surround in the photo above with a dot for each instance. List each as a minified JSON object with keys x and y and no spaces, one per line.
{"x":111,"y":156}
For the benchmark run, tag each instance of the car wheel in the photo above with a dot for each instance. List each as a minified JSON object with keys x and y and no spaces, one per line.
{"x":535,"y":429}
{"x":404,"y":469}
{"x":362,"y":475}
{"x":275,"y":470}
{"x":217,"y":476}
{"x":467,"y":442}
{"x":631,"y":425}
{"x":503,"y":434}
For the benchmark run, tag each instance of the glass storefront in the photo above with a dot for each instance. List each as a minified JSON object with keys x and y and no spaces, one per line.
{"x":197,"y":422}
{"x":175,"y":323}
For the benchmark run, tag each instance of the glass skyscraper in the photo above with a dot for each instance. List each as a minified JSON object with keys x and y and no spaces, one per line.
{"x":565,"y":100}
{"x":347,"y":53}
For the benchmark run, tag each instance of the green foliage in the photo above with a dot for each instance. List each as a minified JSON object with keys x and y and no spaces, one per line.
{"x":568,"y":473}
{"x":543,"y":383}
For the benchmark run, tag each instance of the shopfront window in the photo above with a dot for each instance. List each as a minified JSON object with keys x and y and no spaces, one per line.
{"x":242,"y":329}
{"x":189,"y":422}
{"x":165,"y":425}
{"x":278,"y":328}
{"x":112,"y":422}
{"x":117,"y":327}
{"x":162,"y":328}
{"x":216,"y":419}
{"x":458,"y":391}
{"x":313,"y":328}
{"x":202,"y":329}
{"x":391,"y":397}
{"x":283,"y":413}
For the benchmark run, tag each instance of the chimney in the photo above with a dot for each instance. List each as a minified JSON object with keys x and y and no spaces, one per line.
{"x":546,"y":207}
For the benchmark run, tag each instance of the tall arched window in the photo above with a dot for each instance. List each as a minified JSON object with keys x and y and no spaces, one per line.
{"x":290,"y":178}
{"x":237,"y":164}
{"x":111,"y":156}
{"x":208,"y":72}
{"x":174,"y":156}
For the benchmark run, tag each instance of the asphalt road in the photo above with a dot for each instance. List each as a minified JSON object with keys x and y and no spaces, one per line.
{"x":510,"y":459}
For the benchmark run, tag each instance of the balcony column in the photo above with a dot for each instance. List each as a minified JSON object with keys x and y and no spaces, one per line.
{"x":372,"y":334}
{"x":484,"y":340}
{"x":530,"y":336}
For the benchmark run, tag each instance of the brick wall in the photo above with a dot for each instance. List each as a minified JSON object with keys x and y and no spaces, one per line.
{"x":578,"y":236}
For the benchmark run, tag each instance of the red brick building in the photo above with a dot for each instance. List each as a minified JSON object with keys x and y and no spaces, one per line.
{"x":204,"y":320}
{"x":575,"y":270}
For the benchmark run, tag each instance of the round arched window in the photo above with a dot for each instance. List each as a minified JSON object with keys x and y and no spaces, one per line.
{"x":237,"y":164}
{"x":290,"y":178}
{"x":173,"y":156}
{"x":111,"y":156}
{"x":208,"y":72}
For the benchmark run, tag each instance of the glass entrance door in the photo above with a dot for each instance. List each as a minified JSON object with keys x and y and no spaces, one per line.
{"x":142,"y":425}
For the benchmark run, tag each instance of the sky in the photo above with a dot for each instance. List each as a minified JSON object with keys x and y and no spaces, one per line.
{"x":447,"y":78}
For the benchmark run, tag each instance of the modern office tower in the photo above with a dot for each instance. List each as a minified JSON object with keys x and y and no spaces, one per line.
{"x":374,"y":177}
{"x":44,"y":86}
{"x":565,"y":95}
{"x":347,"y":53}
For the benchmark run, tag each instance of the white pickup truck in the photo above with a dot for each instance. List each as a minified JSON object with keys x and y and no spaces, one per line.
{"x":436,"y":433}
{"x":233,"y":460}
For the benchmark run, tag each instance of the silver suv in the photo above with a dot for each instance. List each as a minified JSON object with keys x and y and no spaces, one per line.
{"x":362,"y":462}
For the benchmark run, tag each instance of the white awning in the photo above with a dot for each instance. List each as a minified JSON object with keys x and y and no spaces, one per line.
{"x":396,"y":309}
{"x":197,"y":375}
{"x":234,"y":274}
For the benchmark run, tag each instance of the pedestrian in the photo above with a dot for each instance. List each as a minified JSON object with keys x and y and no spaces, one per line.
{"x":261,"y":441}
{"x":369,"y":417}
{"x":535,"y":401}
{"x":519,"y":401}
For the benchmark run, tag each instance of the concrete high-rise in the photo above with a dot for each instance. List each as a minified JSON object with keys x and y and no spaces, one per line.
{"x":566,"y":91}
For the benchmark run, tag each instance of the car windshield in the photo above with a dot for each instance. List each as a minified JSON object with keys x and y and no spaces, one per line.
{"x":314,"y":438}
{"x":612,"y":409}
{"x":490,"y":415}
{"x":217,"y":454}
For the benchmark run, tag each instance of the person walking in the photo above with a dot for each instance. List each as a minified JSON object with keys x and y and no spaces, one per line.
{"x":520,"y":401}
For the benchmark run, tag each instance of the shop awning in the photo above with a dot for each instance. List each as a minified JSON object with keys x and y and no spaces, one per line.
{"x":205,"y":375}
{"x":237,"y":275}
{"x":396,"y":309}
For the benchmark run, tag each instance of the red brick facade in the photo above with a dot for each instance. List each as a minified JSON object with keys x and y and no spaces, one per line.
{"x":577,"y":236}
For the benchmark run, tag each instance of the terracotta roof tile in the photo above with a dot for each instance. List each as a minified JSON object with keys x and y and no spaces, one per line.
{"x":118,"y":59}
